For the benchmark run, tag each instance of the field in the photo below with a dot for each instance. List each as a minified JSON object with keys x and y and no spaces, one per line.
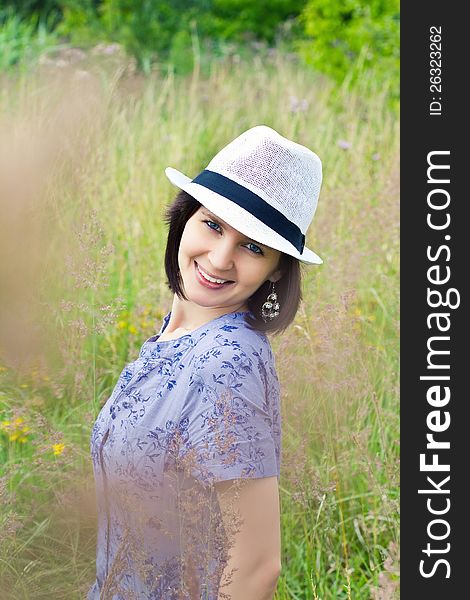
{"x":83,"y":150}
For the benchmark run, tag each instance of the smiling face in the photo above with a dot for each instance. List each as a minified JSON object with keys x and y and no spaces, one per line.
{"x":212,"y":252}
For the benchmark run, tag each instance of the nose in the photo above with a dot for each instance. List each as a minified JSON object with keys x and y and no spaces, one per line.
{"x":221,"y":255}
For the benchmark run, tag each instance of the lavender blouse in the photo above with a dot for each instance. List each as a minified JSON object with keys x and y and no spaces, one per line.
{"x":187,"y":413}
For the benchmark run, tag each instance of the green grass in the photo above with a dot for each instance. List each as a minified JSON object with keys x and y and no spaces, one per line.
{"x":23,"y":40}
{"x":83,"y":286}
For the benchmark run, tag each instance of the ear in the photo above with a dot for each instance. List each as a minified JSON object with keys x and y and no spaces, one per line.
{"x":276,"y":276}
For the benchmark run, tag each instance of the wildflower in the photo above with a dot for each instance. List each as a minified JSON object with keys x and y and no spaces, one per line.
{"x":6,"y":425}
{"x":58,"y":449}
{"x":16,"y":432}
{"x":107,"y":49}
{"x":298,"y":105}
{"x":24,"y":385}
{"x":122,"y":324}
{"x":132,"y":329}
{"x":66,"y":306}
{"x":20,"y":436}
{"x":345,"y":145}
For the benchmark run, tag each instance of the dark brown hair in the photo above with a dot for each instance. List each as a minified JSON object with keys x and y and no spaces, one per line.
{"x":288,"y":288}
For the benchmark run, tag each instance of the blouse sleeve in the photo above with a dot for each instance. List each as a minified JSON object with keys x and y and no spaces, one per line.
{"x":229,"y":415}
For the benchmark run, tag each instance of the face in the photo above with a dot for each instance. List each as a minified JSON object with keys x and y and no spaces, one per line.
{"x":211,"y":249}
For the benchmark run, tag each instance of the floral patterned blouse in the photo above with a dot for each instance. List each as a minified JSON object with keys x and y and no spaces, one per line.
{"x":187,"y":413}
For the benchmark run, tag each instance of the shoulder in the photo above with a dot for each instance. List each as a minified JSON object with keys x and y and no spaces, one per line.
{"x":233,"y":351}
{"x":232,"y":336}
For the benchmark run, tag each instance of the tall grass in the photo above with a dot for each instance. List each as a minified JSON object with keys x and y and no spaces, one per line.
{"x":83,"y":194}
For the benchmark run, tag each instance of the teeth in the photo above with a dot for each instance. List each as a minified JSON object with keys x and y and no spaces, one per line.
{"x":211,"y":279}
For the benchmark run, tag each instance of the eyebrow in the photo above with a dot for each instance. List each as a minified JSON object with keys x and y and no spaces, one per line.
{"x":218,"y":221}
{"x":212,"y":216}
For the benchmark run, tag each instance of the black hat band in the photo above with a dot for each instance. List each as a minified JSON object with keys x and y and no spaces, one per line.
{"x":253,"y":204}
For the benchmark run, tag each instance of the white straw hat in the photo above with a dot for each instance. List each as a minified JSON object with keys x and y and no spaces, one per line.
{"x":264,"y":186}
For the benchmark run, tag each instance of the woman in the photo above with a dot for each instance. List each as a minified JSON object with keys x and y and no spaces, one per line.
{"x":186,"y":451}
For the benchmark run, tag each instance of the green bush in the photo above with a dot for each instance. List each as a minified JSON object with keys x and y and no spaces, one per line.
{"x":164,"y":30}
{"x":238,"y":19}
{"x":145,"y":29}
{"x":341,"y":38}
{"x":45,"y":11}
{"x":346,"y":37}
{"x":23,"y":39}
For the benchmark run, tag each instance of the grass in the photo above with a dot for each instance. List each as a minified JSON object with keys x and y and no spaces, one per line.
{"x":23,"y":40}
{"x":83,"y":286}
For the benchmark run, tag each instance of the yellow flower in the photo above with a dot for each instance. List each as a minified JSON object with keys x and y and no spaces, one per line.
{"x":58,"y":449}
{"x":9,"y":425}
{"x":122,"y":324}
{"x":24,"y":385}
{"x":18,"y":436}
{"x":132,"y":329}
{"x":15,"y":431}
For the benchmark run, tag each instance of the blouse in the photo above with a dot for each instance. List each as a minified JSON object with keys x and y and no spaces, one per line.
{"x":187,"y":413}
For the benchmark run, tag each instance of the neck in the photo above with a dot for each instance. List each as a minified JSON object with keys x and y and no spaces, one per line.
{"x":188,"y":316}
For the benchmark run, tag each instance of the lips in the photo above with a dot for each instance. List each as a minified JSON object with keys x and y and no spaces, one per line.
{"x":209,"y":284}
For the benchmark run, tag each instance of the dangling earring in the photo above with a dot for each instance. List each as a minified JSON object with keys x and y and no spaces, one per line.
{"x":270,"y":308}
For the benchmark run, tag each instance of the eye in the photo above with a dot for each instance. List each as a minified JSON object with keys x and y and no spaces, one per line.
{"x":210,"y":223}
{"x":257,"y":248}
{"x":254,"y":248}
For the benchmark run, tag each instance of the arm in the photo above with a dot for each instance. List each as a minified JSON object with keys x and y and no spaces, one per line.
{"x":255,"y":552}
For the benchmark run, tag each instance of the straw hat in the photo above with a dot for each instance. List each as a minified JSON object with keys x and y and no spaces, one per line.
{"x":264,"y":186}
